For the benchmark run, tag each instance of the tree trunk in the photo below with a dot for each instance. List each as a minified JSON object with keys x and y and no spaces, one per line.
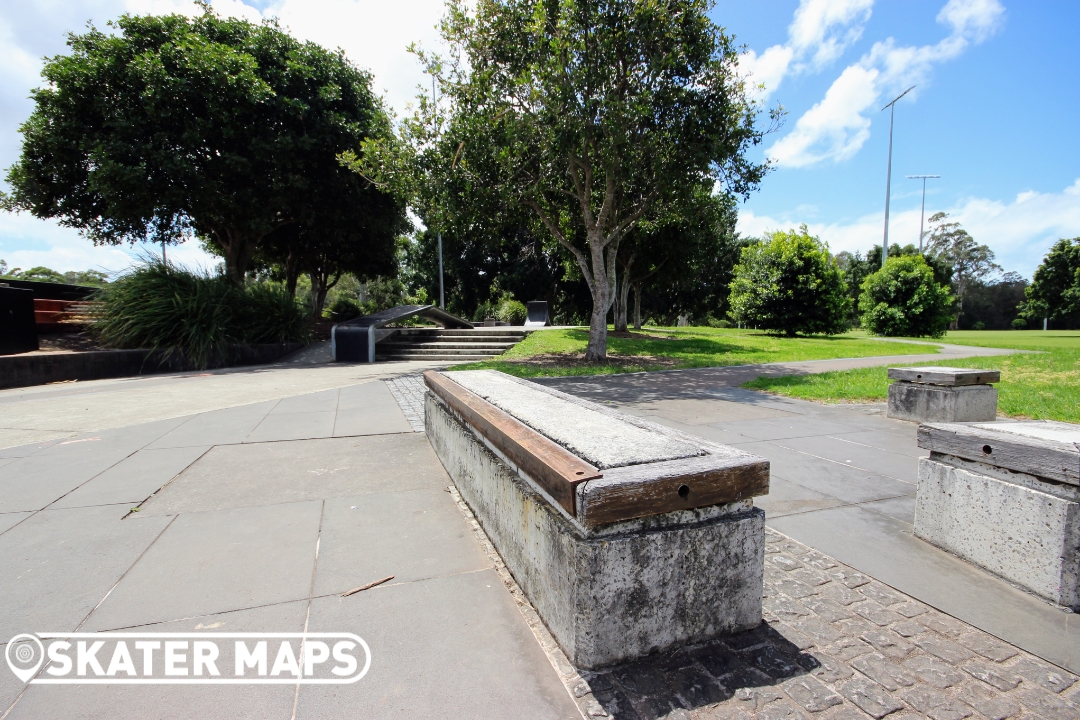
{"x":637,"y":306}
{"x":292,"y":272}
{"x":318,"y":294}
{"x":622,"y":295}
{"x":237,"y":257}
{"x":602,"y":288}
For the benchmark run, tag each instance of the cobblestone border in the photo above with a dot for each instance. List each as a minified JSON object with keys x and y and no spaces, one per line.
{"x":408,"y":391}
{"x":834,"y":645}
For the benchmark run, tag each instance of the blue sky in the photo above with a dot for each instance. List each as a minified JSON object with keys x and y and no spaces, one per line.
{"x":994,"y":111}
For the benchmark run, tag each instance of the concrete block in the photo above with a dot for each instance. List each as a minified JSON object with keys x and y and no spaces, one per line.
{"x":1015,"y":525}
{"x":921,"y":402}
{"x":947,"y":376}
{"x":611,"y":592}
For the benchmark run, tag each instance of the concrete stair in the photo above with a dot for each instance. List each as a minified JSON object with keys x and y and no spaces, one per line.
{"x":450,"y":345}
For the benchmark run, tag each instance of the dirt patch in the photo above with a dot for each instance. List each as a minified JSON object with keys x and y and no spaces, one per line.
{"x":68,"y":342}
{"x":631,"y":335}
{"x":577,"y":360}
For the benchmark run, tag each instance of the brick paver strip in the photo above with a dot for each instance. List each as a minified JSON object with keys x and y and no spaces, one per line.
{"x":823,"y":655}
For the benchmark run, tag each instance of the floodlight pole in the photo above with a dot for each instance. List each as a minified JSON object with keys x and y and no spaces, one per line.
{"x":888,"y":177}
{"x":442,"y":291}
{"x":922,"y":212}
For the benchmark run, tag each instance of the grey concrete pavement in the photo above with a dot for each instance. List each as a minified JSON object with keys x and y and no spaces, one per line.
{"x":257,"y":516}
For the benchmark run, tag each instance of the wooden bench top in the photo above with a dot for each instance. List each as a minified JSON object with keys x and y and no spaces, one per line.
{"x":1042,"y":448}
{"x":600,"y":465}
{"x":947,"y":376}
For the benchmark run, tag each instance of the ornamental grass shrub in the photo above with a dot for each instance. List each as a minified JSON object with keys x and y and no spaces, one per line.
{"x":193,"y":315}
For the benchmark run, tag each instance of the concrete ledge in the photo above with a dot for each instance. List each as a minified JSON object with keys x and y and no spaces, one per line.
{"x":43,"y":368}
{"x":610,"y":592}
{"x":921,"y":402}
{"x":1005,"y":497}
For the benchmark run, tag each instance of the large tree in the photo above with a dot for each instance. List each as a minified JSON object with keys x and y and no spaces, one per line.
{"x":174,"y":125}
{"x":683,"y":261}
{"x":592,"y":115}
{"x":1054,"y":292}
{"x":790,"y":283}
{"x":954,"y":247}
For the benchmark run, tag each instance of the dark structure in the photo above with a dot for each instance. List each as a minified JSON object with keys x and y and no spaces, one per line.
{"x":538,"y":314}
{"x":18,"y":334}
{"x":354,"y":340}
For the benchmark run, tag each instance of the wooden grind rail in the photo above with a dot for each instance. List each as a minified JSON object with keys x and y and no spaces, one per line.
{"x":719,"y":475}
{"x":551,"y":466}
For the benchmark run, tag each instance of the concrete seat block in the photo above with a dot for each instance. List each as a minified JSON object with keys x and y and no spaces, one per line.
{"x":618,"y":591}
{"x":921,"y":402}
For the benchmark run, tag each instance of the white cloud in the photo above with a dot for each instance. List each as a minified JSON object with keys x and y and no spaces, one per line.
{"x":26,"y":242}
{"x":1019,"y":232}
{"x":819,"y":33}
{"x":836,"y":128}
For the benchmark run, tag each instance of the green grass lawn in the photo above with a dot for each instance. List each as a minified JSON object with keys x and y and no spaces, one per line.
{"x":559,"y":352}
{"x":1044,"y":385}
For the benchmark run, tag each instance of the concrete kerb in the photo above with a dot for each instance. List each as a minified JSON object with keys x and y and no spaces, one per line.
{"x":620,"y":590}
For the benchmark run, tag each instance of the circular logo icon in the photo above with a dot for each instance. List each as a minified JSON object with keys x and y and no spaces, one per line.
{"x":24,"y":655}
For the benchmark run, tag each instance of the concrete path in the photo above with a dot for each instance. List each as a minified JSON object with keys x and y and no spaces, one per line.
{"x":257,"y":517}
{"x":843,"y":482}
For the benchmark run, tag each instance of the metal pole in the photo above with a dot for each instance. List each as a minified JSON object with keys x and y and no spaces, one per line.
{"x":922,"y":212}
{"x":442,"y":292}
{"x":888,"y":177}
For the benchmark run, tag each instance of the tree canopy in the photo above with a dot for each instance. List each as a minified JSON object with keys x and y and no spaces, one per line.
{"x":790,"y":283}
{"x":175,"y":126}
{"x":1054,"y":292}
{"x":590,"y":115}
{"x":904,"y":299}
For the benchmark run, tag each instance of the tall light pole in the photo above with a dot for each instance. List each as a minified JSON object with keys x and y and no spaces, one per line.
{"x":922,"y":212}
{"x":888,"y":178}
{"x":442,"y":291}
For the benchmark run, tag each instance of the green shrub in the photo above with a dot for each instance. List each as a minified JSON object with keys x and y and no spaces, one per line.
{"x":512,"y":311}
{"x":343,"y":309}
{"x":193,"y":315}
{"x":903,"y":299}
{"x":790,"y":283}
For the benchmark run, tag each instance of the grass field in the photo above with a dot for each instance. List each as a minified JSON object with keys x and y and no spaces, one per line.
{"x":1043,"y":385}
{"x":559,"y":352}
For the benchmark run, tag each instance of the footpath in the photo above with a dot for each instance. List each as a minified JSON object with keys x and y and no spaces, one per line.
{"x":263,"y":494}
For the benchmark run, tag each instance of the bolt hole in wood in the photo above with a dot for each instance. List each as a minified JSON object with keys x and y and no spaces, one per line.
{"x":684,"y":491}
{"x":987,"y":449}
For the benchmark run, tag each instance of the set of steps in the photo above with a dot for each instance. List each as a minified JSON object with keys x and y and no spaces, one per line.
{"x":451,"y":345}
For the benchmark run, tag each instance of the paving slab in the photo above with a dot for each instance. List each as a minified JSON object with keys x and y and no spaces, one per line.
{"x":266,"y":473}
{"x":785,"y":498}
{"x":884,"y":548}
{"x":369,"y":409}
{"x":134,"y":478}
{"x":792,"y":426}
{"x":19,"y":451}
{"x":902,"y":441}
{"x":701,"y":411}
{"x":35,"y":482}
{"x":58,"y":564}
{"x":136,"y":702}
{"x":218,"y":427}
{"x":835,"y":479}
{"x":214,"y":562}
{"x":322,"y":401}
{"x":449,"y":647}
{"x":412,"y":535}
{"x":883,"y":462}
{"x":11,"y":519}
{"x":899,"y":508}
{"x":293,"y":426}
